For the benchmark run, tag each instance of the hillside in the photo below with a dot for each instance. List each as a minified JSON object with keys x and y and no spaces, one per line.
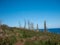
{"x":21,"y":36}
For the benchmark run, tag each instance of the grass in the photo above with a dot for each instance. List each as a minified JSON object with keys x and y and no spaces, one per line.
{"x":12,"y":34}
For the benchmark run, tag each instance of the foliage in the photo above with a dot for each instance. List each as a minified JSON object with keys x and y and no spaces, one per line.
{"x":40,"y":38}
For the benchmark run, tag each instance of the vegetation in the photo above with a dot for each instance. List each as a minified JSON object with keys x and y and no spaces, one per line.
{"x":12,"y":35}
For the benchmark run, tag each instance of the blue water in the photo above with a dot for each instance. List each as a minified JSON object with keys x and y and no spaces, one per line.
{"x":53,"y":30}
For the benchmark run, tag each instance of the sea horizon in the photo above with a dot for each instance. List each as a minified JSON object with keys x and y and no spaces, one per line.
{"x":52,"y":30}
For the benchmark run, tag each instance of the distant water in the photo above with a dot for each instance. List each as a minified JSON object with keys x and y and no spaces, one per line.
{"x":53,"y":30}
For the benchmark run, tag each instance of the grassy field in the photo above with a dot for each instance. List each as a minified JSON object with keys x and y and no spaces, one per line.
{"x":20,"y":36}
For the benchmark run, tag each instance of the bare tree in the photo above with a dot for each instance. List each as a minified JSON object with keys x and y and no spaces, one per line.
{"x":19,"y":25}
{"x":32,"y":26}
{"x":28,"y":24}
{"x":37,"y":27}
{"x":45,"y":29}
{"x":25,"y":24}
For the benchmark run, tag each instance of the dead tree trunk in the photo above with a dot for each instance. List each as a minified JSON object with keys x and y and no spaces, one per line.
{"x":45,"y":29}
{"x":32,"y":26}
{"x":25,"y":24}
{"x":20,"y":25}
{"x":28,"y":25}
{"x":37,"y":28}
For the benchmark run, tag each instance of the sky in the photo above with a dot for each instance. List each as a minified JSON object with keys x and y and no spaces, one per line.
{"x":36,"y":11}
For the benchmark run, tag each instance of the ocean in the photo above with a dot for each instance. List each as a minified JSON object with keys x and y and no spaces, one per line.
{"x":52,"y":30}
